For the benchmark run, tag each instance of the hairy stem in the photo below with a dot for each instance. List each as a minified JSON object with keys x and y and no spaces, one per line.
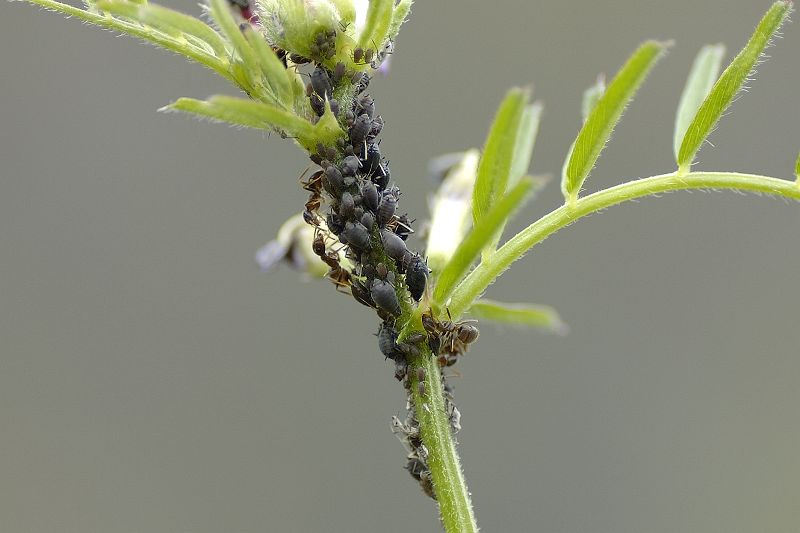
{"x":485,"y":274}
{"x":455,"y":507}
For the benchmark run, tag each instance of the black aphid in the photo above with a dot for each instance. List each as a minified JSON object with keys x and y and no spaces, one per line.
{"x":368,"y":219}
{"x":317,"y":104}
{"x":339,"y":72}
{"x":410,"y":350}
{"x":370,"y":195}
{"x":394,"y":245}
{"x":335,"y":223}
{"x":350,"y":165}
{"x":386,"y":207}
{"x":321,"y":83}
{"x":416,"y":276}
{"x":360,"y":129}
{"x":365,"y":104}
{"x":384,"y":295}
{"x":357,"y":236}
{"x":334,"y":179}
{"x":346,"y":205}
{"x":387,"y":341}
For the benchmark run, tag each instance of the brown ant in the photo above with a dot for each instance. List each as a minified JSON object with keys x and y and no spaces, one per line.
{"x":453,"y":338}
{"x":314,"y":186}
{"x":338,"y":275}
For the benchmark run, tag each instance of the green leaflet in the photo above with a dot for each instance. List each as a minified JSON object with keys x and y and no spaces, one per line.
{"x":598,"y":127}
{"x":705,"y":70}
{"x":273,"y":71}
{"x":245,"y":113}
{"x":482,"y":233}
{"x":145,"y":32}
{"x":379,"y":18}
{"x":538,"y":316}
{"x":249,"y":73}
{"x":526,"y":140}
{"x":729,"y":84}
{"x":498,"y":152}
{"x":589,"y":101}
{"x":521,"y":160}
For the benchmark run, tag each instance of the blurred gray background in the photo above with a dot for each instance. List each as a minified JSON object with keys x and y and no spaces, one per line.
{"x":152,"y":379}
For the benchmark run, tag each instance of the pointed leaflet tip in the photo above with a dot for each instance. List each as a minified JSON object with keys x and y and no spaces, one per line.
{"x":729,"y":84}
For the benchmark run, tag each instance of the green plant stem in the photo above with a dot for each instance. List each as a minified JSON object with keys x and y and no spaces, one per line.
{"x":479,"y":279}
{"x":455,"y":507}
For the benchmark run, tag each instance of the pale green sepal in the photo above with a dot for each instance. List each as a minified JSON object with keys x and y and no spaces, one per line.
{"x":482,"y":232}
{"x":729,"y":84}
{"x":538,"y":316}
{"x":704,"y":73}
{"x":498,"y":152}
{"x":379,"y":17}
{"x":598,"y":127}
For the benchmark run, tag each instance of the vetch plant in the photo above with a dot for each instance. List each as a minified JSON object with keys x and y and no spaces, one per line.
{"x":304,"y":67}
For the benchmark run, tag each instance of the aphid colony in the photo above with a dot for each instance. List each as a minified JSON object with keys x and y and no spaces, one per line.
{"x":362,"y":221}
